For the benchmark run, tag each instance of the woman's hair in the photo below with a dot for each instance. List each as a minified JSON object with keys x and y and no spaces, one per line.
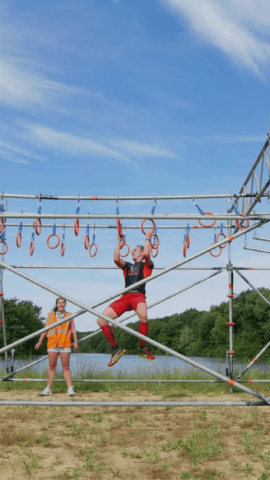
{"x":56,"y":301}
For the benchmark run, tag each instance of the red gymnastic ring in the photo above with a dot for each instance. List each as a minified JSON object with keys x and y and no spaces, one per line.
{"x":220,"y":251}
{"x":38,"y":226}
{"x":6,"y":250}
{"x":95,"y":251}
{"x":76,"y":227}
{"x":32,"y":248}
{"x":18,"y":239}
{"x":239,"y":224}
{"x":211,"y":224}
{"x":155,"y":245}
{"x":224,"y":236}
{"x":128,"y":250}
{"x":188,"y":240}
{"x":62,"y":249}
{"x":2,"y":225}
{"x":153,"y":225}
{"x":57,"y":243}
{"x":86,"y":241}
{"x":119,"y":228}
{"x":184,"y":249}
{"x":154,"y":252}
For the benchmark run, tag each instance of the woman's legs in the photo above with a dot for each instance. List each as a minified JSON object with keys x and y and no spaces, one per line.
{"x":52,"y":366}
{"x":65,"y":365}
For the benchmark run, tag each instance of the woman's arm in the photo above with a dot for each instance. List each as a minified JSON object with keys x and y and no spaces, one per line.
{"x":42,"y":336}
{"x":74,"y":334}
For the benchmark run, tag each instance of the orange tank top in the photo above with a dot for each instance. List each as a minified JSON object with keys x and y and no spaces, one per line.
{"x":59,"y":336}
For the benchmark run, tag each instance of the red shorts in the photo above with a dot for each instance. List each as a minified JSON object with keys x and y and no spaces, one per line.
{"x":127,"y":302}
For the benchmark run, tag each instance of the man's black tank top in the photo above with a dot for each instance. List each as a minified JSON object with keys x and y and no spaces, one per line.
{"x":134,"y":272}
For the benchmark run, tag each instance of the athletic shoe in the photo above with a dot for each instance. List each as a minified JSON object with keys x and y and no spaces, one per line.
{"x":146,"y":354}
{"x":116,"y":356}
{"x":47,"y":391}
{"x":70,"y":392}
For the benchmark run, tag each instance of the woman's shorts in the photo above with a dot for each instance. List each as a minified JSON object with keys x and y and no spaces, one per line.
{"x":128,"y":302}
{"x":60,"y":349}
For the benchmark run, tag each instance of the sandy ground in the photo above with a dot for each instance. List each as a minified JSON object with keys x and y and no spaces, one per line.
{"x":133,"y":442}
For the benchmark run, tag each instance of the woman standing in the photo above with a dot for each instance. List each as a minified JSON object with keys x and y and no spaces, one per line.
{"x":59,"y":343}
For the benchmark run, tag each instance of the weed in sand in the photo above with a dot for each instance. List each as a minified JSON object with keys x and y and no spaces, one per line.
{"x":97,"y":417}
{"x":250,"y":445}
{"x":186,"y":475}
{"x":165,"y":467}
{"x":264,"y":476}
{"x":89,"y":462}
{"x":255,"y":415}
{"x":203,"y":414}
{"x":172,"y":445}
{"x":152,"y":457}
{"x":201,"y":444}
{"x":127,"y":453}
{"x":213,"y":476}
{"x":70,"y":476}
{"x":32,"y":464}
{"x":131,"y":420}
{"x":10,"y":436}
{"x":73,"y":425}
{"x":44,"y":440}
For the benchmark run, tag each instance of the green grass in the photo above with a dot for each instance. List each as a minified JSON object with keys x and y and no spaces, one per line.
{"x":167,"y":390}
{"x":200,"y":445}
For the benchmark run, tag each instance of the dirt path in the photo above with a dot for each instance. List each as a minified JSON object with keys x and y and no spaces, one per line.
{"x":133,"y":443}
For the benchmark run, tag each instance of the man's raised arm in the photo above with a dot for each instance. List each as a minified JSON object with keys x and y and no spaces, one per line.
{"x":117,"y":259}
{"x":147,"y":249}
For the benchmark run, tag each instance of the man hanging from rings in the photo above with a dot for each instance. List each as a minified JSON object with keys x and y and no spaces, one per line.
{"x":133,"y":300}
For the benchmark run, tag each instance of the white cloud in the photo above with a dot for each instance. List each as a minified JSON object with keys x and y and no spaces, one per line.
{"x":125,"y":151}
{"x":12,"y":159}
{"x":22,"y":85}
{"x":141,"y":149}
{"x":7,"y":149}
{"x":73,"y":144}
{"x":230,"y":26}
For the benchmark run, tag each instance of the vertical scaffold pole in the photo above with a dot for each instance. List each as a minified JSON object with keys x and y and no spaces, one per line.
{"x":2,"y":311}
{"x":230,"y":295}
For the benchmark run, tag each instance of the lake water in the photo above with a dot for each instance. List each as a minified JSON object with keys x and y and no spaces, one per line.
{"x":96,"y":363}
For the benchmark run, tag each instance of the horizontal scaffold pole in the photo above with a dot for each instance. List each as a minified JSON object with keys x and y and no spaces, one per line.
{"x":76,"y":403}
{"x":256,"y":249}
{"x":126,"y":198}
{"x":163,"y":216}
{"x":109,"y":267}
{"x":127,"y":380}
{"x":114,"y":227}
{"x":92,"y":267}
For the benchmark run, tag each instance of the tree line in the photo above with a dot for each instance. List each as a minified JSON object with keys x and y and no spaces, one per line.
{"x":193,"y":333}
{"x":203,"y":333}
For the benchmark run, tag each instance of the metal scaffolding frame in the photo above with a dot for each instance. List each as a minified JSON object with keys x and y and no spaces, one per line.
{"x":227,"y":380}
{"x":243,"y":204}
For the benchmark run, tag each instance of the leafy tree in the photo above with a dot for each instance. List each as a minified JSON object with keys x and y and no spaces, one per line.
{"x":22,"y":318}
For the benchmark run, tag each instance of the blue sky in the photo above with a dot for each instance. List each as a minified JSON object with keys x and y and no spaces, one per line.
{"x":156,"y":97}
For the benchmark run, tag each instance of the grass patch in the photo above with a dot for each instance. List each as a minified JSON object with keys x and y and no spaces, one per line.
{"x":200,"y":445}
